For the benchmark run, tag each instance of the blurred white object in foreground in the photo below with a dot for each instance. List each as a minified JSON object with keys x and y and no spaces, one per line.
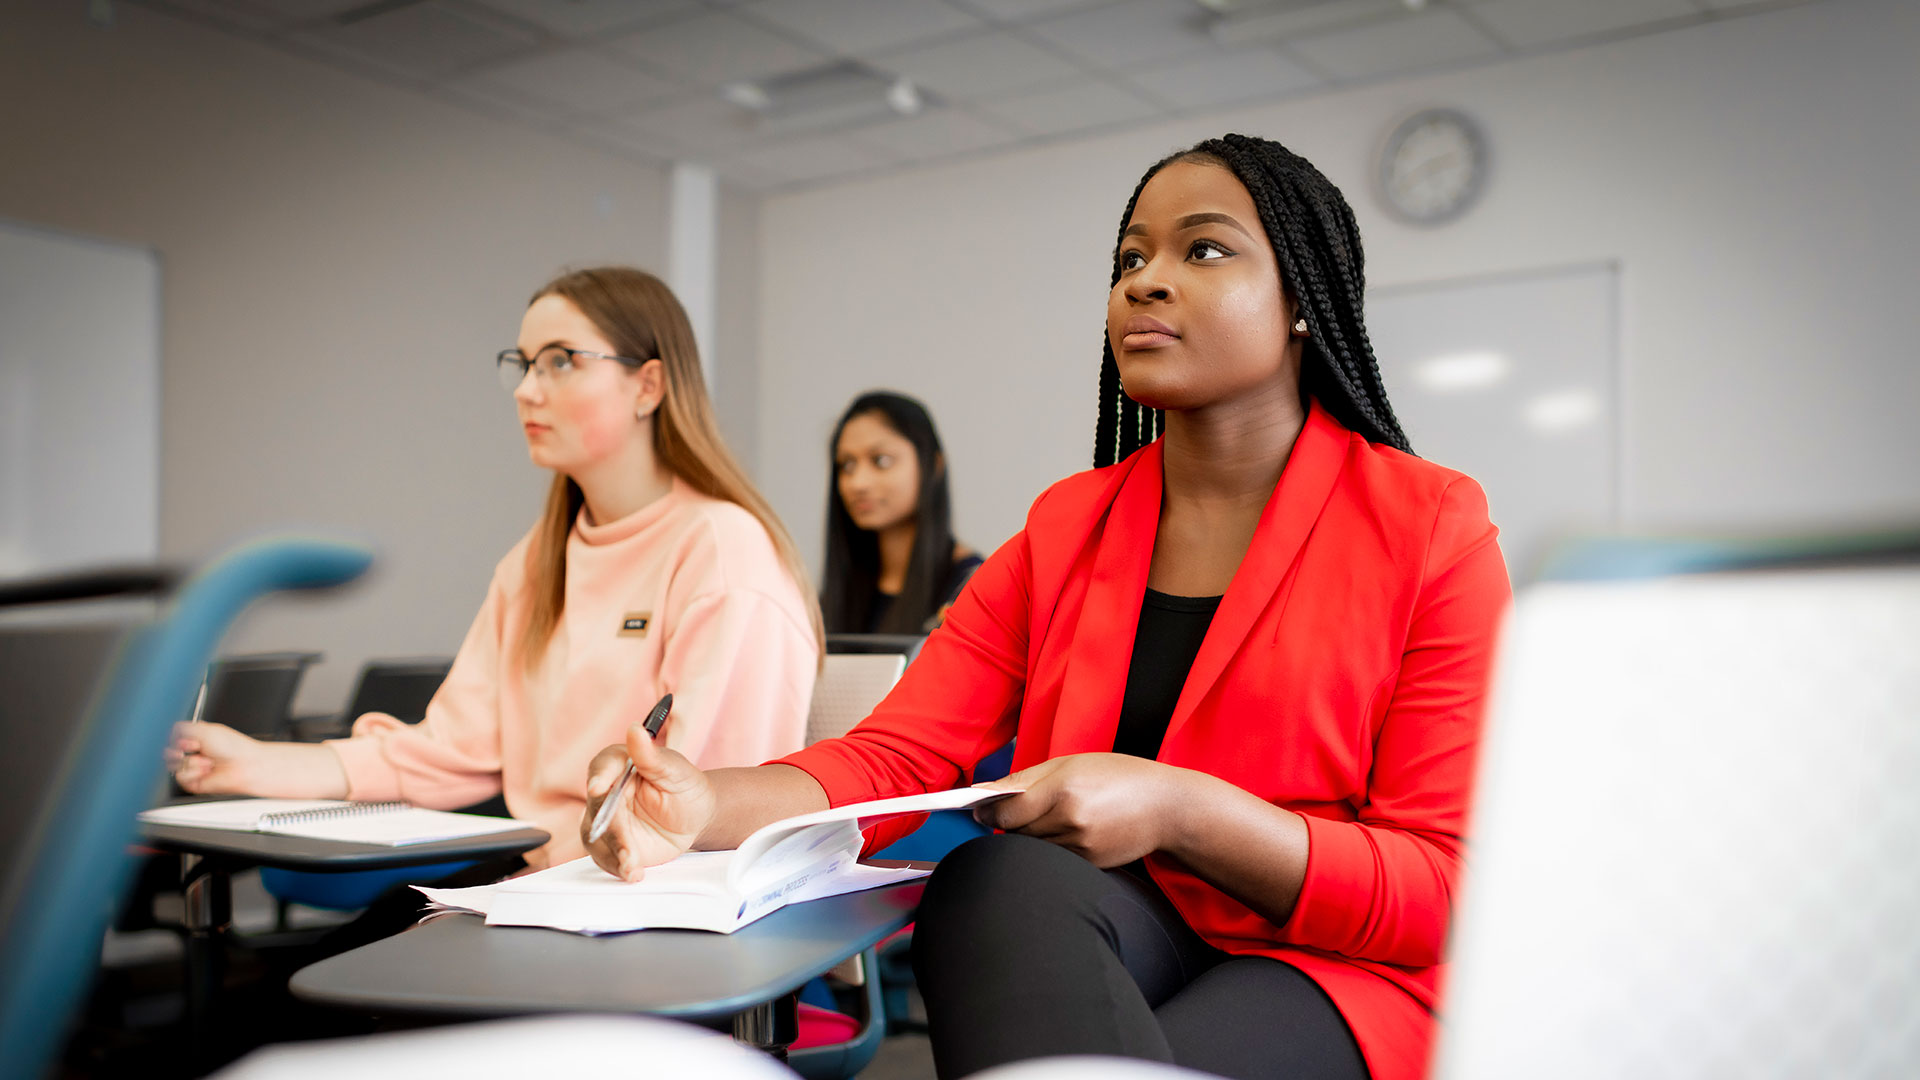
{"x":553,"y":1046}
{"x":1089,"y":1067}
{"x":1696,"y":850}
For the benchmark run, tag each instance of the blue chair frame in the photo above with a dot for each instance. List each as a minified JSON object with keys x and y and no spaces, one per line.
{"x":76,"y":861}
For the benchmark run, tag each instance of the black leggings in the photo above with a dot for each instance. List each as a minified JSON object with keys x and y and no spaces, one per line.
{"x":1023,"y":949}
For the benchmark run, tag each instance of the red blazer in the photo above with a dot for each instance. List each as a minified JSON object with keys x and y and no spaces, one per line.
{"x":1342,"y":678}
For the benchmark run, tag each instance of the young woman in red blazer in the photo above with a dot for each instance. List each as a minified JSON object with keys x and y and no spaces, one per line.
{"x":1246,"y":666}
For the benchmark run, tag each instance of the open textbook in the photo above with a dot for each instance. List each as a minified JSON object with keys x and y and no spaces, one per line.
{"x":394,"y":824}
{"x":794,"y":859}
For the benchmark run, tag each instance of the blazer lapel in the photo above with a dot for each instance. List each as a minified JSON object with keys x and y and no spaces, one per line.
{"x":1096,"y":676}
{"x":1305,"y":483}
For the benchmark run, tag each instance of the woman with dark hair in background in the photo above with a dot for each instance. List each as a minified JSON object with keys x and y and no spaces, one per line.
{"x":1245,"y":655}
{"x":893,"y":565}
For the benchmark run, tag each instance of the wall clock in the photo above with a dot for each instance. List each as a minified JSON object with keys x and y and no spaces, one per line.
{"x":1433,"y":166}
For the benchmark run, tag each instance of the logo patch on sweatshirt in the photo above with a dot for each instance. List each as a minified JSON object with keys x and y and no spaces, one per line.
{"x":635,"y":623}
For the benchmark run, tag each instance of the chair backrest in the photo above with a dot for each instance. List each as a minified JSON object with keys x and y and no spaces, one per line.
{"x":400,"y":688}
{"x":53,"y":657}
{"x":253,"y":693}
{"x":1693,"y":850}
{"x":849,"y":686}
{"x":907,"y":645}
{"x":71,"y":862}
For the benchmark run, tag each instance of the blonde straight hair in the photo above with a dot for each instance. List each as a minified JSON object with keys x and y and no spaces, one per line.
{"x":641,"y":318}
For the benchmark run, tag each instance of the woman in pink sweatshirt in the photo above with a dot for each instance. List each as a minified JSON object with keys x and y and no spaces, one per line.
{"x":655,"y":567}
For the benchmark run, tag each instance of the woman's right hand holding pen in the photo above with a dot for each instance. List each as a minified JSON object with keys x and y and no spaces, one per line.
{"x":214,"y":759}
{"x":661,"y":813}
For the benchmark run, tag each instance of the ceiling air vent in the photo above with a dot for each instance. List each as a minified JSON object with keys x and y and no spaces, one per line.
{"x":1241,"y":22}
{"x":838,"y":95}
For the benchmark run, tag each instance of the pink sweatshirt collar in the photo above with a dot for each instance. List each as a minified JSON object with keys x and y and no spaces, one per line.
{"x":612,"y":532}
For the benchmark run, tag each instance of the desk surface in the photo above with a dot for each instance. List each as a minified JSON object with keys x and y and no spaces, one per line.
{"x":458,"y":965}
{"x":302,"y":853}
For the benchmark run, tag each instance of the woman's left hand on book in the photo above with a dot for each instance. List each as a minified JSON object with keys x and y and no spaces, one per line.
{"x":1109,"y":808}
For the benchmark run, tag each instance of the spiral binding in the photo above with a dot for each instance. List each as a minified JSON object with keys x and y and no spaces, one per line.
{"x":329,"y":813}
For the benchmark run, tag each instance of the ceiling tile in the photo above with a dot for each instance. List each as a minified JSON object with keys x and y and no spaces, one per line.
{"x":626,"y":137}
{"x":241,"y":15}
{"x":425,"y":40}
{"x":292,"y":11}
{"x":481,"y":99}
{"x":747,"y":177}
{"x":586,"y":18}
{"x":938,"y":134}
{"x":1417,"y":41}
{"x":1088,"y":103}
{"x":702,"y":125}
{"x":1735,"y":5}
{"x":1138,"y":31}
{"x":961,"y":69}
{"x":1224,"y":77}
{"x":858,"y":27}
{"x":813,"y":158}
{"x":576,"y":81}
{"x":715,"y":48}
{"x":1026,"y":10}
{"x":1527,"y":23}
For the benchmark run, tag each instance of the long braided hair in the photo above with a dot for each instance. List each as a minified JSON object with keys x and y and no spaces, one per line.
{"x":1317,"y":245}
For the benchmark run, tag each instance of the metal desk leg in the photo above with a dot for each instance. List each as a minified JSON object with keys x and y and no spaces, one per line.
{"x":208,"y":890}
{"x":771,"y":1026}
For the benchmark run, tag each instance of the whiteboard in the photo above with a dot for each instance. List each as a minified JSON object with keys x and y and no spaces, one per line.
{"x":1513,"y":380}
{"x":79,"y":402}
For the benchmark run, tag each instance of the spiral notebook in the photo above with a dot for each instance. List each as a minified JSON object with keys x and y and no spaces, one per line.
{"x":393,"y":824}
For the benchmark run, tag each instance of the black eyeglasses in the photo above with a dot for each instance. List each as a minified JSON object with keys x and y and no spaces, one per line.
{"x":552,"y":365}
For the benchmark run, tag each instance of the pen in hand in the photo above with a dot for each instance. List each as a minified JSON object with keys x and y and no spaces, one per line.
{"x":655,"y":720}
{"x":199,"y":709}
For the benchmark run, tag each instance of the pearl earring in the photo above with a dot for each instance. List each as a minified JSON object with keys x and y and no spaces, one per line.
{"x":1300,"y":325}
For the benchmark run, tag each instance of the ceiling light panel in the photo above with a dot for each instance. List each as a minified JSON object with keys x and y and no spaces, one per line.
{"x":427,"y":40}
{"x":860,"y":27}
{"x":717,"y":48}
{"x":1224,"y":78}
{"x":1134,"y":32}
{"x":961,"y":69}
{"x":1088,"y":103}
{"x":1410,"y":44}
{"x":587,"y":18}
{"x":576,"y":81}
{"x":1527,"y":23}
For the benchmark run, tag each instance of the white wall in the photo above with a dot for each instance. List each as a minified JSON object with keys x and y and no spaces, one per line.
{"x":341,"y":261}
{"x":1753,"y":178}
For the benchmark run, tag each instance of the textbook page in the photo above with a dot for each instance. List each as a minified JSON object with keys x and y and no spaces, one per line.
{"x":790,"y":861}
